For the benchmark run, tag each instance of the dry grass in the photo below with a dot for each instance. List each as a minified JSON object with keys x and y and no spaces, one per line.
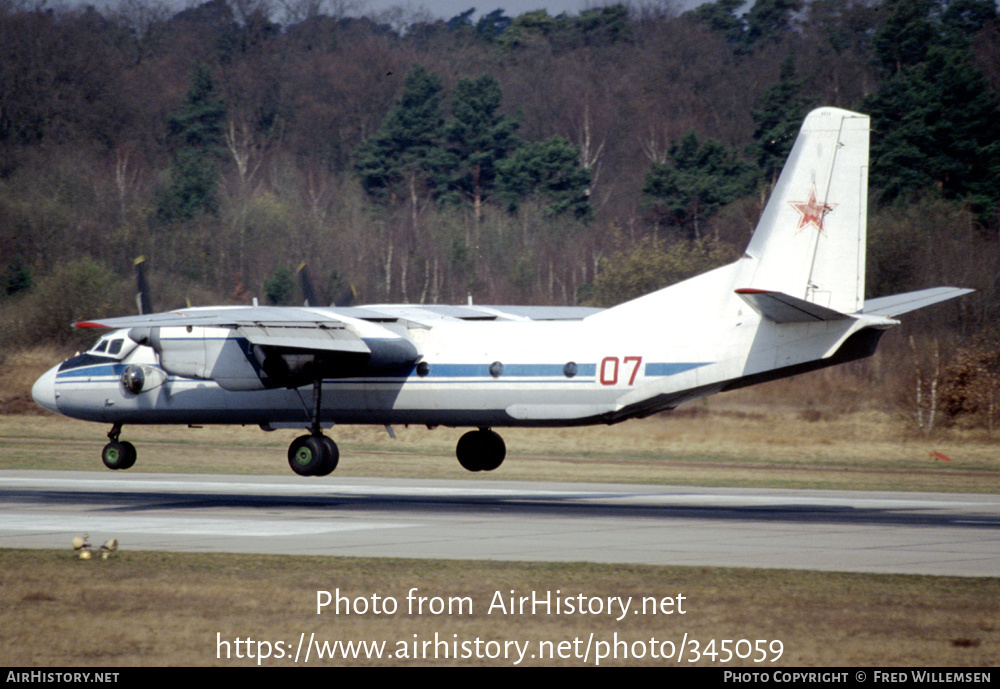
{"x":19,"y":370}
{"x":166,"y":609}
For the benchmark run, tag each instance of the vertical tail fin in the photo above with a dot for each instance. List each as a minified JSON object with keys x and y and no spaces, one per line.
{"x":810,"y":241}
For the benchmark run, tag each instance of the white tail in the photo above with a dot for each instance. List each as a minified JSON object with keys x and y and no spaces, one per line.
{"x":810,"y":241}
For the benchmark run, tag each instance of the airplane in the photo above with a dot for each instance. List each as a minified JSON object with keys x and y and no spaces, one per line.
{"x":794,"y":302}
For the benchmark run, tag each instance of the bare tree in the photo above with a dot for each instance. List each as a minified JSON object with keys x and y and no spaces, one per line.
{"x":296,"y":11}
{"x":926,"y":411}
{"x":245,"y":150}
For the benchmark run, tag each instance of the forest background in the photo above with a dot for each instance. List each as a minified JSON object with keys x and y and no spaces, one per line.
{"x":570,"y":159}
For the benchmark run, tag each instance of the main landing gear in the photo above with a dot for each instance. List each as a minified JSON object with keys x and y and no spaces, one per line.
{"x":481,"y":450}
{"x":314,"y":454}
{"x":118,"y":454}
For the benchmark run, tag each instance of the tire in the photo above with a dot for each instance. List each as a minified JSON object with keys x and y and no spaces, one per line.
{"x":331,"y":458}
{"x":116,"y":455}
{"x":130,"y":455}
{"x":493,"y":451}
{"x":306,"y":455}
{"x":482,"y":450}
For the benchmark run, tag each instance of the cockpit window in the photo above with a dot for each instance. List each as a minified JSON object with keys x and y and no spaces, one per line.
{"x":113,"y":345}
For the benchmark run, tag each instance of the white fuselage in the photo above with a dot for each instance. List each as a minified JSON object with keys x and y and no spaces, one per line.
{"x":492,"y":373}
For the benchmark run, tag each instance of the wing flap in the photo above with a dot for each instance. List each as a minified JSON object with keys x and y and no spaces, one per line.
{"x":320,"y":337}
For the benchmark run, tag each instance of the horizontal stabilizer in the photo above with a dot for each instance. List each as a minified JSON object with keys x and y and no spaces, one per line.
{"x":911,"y":301}
{"x":784,"y":308}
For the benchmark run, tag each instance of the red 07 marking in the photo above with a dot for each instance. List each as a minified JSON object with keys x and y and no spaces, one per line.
{"x":610,"y":365}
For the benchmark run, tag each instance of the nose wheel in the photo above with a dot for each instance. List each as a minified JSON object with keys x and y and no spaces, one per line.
{"x":118,"y":454}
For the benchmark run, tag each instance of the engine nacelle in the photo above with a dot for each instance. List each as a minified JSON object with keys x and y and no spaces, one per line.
{"x":137,"y":378}
{"x":218,"y":354}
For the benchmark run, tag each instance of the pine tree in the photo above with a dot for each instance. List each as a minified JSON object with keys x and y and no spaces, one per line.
{"x":699,"y":179}
{"x":407,"y":153}
{"x":478,"y":137}
{"x":905,"y":35}
{"x":936,"y":120}
{"x":765,"y":20}
{"x":196,"y":135}
{"x":778,"y":119}
{"x":549,"y":170}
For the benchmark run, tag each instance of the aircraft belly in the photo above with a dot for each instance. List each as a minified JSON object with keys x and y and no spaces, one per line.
{"x":456,"y":403}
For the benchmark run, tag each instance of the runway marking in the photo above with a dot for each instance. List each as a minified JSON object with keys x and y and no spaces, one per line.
{"x":209,"y":526}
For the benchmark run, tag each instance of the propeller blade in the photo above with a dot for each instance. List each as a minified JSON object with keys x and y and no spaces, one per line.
{"x":142,"y":299}
{"x":308,"y":293}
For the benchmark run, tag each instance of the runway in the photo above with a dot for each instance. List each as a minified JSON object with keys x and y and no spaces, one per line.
{"x":906,"y":533}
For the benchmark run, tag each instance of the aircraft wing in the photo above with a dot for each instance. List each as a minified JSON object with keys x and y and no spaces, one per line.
{"x":291,"y":343}
{"x":274,"y":325}
{"x":234,"y":316}
{"x":218,"y":317}
{"x":332,"y":343}
{"x":429,"y":315}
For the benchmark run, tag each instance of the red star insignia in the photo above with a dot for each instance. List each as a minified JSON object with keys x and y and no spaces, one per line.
{"x":812,"y":211}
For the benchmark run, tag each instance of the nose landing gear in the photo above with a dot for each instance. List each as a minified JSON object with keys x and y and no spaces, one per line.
{"x":118,"y":454}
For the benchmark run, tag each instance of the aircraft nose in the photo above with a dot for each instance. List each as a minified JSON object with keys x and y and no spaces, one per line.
{"x":44,"y":390}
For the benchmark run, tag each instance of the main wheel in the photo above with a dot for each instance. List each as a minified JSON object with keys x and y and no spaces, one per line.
{"x":118,"y":455}
{"x":130,"y":455}
{"x":482,"y":450}
{"x":331,"y":458}
{"x":307,"y":455}
{"x":494,"y":451}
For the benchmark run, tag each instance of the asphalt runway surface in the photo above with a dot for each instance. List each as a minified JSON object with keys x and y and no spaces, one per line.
{"x":906,"y":533}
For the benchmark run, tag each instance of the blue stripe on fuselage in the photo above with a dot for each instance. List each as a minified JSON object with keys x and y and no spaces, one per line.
{"x":664,"y":369}
{"x":585,"y":372}
{"x":91,"y":370}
